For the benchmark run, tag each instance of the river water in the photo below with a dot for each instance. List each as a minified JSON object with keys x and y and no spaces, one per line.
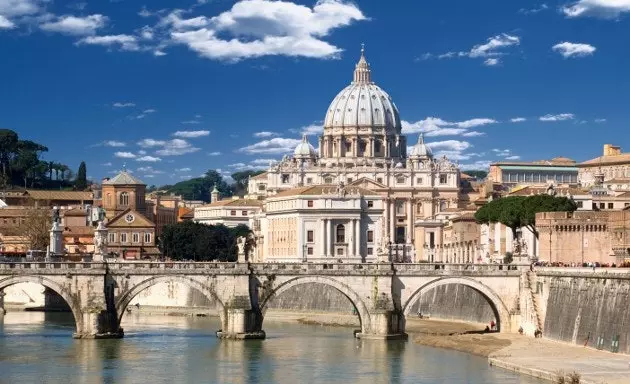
{"x":38,"y":348}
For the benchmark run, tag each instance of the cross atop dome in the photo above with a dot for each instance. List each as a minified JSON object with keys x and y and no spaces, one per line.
{"x":362,"y":73}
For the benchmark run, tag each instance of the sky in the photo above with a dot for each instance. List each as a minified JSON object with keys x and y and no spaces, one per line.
{"x":170,"y":89}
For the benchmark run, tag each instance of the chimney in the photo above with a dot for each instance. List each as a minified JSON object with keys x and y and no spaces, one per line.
{"x":612,"y":150}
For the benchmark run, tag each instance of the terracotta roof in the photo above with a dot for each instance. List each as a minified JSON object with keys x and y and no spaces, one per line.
{"x":553,"y":162}
{"x":314,"y":190}
{"x":182,"y":211}
{"x":605,"y":160}
{"x":60,"y":195}
{"x":13,"y":212}
{"x":235,"y":203}
{"x":465,"y":176}
{"x":618,"y":180}
{"x":124,"y":178}
{"x":468,"y":216}
{"x":262,"y":176}
{"x":82,"y":230}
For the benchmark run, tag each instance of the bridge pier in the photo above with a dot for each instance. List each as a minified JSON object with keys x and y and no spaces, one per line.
{"x":2,"y":310}
{"x":385,"y":325}
{"x":97,"y":317}
{"x":240,"y":321}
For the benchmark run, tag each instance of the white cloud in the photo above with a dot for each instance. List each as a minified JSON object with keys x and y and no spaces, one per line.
{"x":473,"y":134}
{"x":518,"y":119}
{"x":144,"y":12}
{"x":493,"y":48}
{"x":513,"y":157}
{"x":257,"y":28}
{"x":149,"y":159}
{"x":108,"y":164}
{"x":150,"y":110}
{"x":558,"y":117}
{"x":114,"y":143}
{"x":477,"y":165}
{"x":183,"y":170}
{"x":599,"y":121}
{"x":123,"y":105}
{"x":534,"y":10}
{"x":265,"y":134}
{"x":567,"y":49}
{"x":149,"y":169}
{"x":10,"y":8}
{"x":176,"y":147}
{"x":597,"y":8}
{"x":125,"y":155}
{"x":191,"y":134}
{"x":150,"y":143}
{"x":73,"y":25}
{"x":149,"y":176}
{"x":277,"y":145}
{"x":124,"y":42}
{"x":142,"y":152}
{"x":503,"y":152}
{"x":449,"y":145}
{"x":191,"y":122}
{"x":435,"y":126}
{"x":491,"y":62}
{"x":214,"y":154}
{"x":6,"y":23}
{"x":140,"y":116}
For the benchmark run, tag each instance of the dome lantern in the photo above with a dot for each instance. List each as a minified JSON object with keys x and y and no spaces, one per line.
{"x":421,"y":150}
{"x":362,"y":73}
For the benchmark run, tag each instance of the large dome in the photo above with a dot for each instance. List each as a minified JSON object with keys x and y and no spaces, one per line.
{"x":363,"y":104}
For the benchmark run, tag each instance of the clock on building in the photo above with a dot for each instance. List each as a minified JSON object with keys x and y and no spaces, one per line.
{"x":129,"y":218}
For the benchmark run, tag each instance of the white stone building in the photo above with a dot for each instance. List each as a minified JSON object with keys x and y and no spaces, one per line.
{"x":363,"y":153}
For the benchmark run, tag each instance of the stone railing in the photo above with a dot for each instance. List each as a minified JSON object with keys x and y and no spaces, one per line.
{"x":480,"y":268}
{"x":600,"y":273}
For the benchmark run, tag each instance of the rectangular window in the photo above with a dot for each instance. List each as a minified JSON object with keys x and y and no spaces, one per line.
{"x":580,"y":204}
{"x":285,"y":179}
{"x":310,"y":236}
{"x":400,"y":180}
{"x":232,"y":213}
{"x":594,"y":205}
{"x":135,"y":237}
{"x":379,"y":180}
{"x":123,"y":237}
{"x":111,"y":237}
{"x":443,"y":178}
{"x":328,"y":180}
{"x":147,"y":238}
{"x":610,"y":205}
{"x":626,"y":204}
{"x":309,"y":203}
{"x":370,"y":204}
{"x":369,"y":251}
{"x":349,"y":180}
{"x":243,"y":213}
{"x":309,"y":180}
{"x":340,"y":251}
{"x":602,"y":205}
{"x":370,"y":236}
{"x":309,"y":251}
{"x":419,"y":181}
{"x":261,"y":187}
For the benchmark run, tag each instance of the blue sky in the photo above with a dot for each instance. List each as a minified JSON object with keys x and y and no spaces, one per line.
{"x":175,"y":88}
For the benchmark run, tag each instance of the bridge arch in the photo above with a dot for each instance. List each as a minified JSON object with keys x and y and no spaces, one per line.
{"x":125,"y":297}
{"x":349,"y":293}
{"x":71,"y":300}
{"x":499,"y":308}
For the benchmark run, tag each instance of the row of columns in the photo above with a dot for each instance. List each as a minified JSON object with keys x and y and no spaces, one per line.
{"x":326,"y":150}
{"x":329,"y":234}
{"x":391,"y":215}
{"x":457,"y":253}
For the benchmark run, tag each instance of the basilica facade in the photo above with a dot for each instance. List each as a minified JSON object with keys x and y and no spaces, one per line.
{"x":359,"y":193}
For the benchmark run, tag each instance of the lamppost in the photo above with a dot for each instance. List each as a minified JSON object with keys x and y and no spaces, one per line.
{"x":304,"y":247}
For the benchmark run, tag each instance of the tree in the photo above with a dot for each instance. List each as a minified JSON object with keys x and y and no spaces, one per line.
{"x":8,"y":146}
{"x":520,"y":211}
{"x":80,"y":183}
{"x":241,"y":180}
{"x":198,"y":242}
{"x":35,"y":227}
{"x":477,"y":174}
{"x":508,"y":258}
{"x":544,"y":203}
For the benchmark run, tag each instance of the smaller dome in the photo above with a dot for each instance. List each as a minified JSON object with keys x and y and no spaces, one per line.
{"x":421,"y":149}
{"x":304,"y":149}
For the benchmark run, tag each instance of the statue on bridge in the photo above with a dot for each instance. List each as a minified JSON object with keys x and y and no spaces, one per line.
{"x":100,"y":242}
{"x":241,"y":241}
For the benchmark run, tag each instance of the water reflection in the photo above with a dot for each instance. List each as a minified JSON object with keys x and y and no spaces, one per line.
{"x":160,"y":349}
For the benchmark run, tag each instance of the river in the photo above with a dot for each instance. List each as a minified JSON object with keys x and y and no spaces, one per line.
{"x":38,"y":348}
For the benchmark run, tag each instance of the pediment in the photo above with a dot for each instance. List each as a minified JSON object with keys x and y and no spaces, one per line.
{"x":367,"y":183}
{"x":122,"y":221}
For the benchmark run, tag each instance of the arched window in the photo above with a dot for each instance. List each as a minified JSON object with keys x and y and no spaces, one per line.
{"x":341,"y":233}
{"x":124,"y":199}
{"x":377,"y":147}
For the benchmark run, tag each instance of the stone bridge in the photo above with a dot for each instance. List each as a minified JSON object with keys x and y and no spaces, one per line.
{"x":382,"y":294}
